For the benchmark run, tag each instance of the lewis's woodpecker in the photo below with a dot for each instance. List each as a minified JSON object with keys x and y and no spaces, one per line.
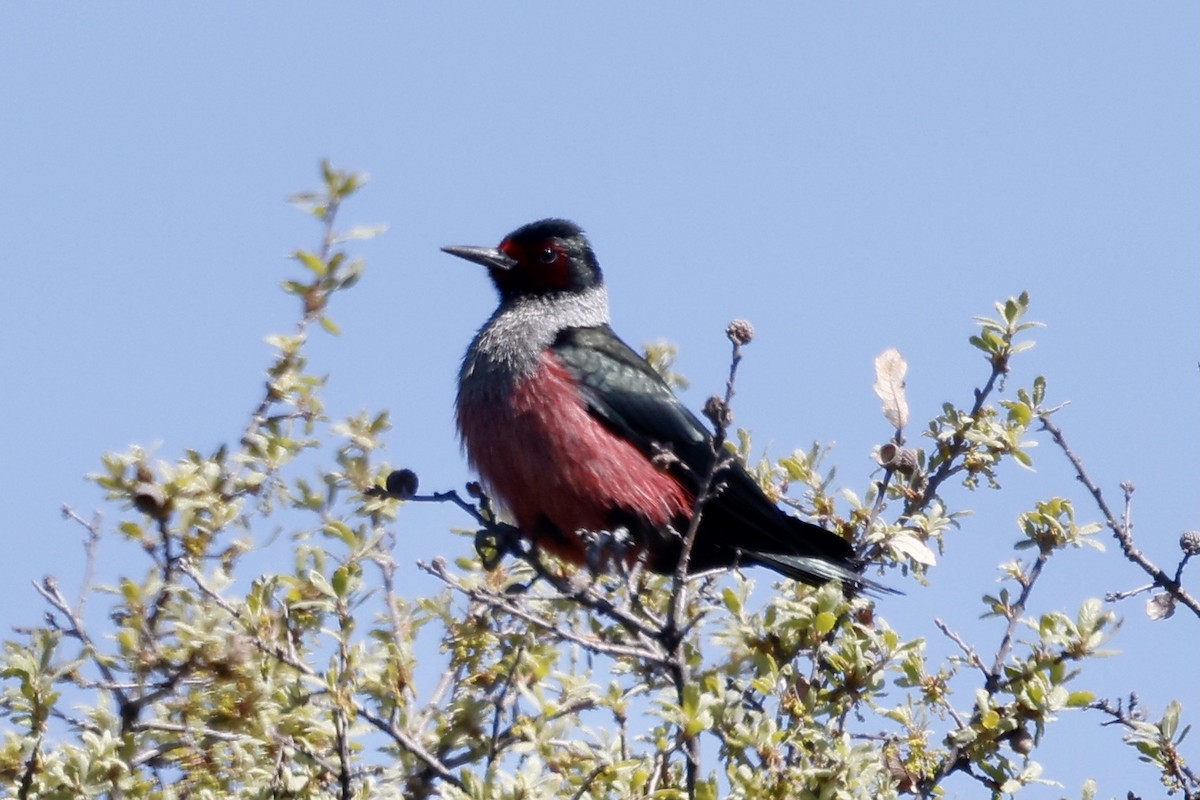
{"x":567,"y":427}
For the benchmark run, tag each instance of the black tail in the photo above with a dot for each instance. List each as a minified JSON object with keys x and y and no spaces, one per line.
{"x":742,"y":526}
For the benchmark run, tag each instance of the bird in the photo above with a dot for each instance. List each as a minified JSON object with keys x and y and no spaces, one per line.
{"x":573,"y":432}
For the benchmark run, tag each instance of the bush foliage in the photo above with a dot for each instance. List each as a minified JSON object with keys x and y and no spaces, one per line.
{"x":537,"y":680}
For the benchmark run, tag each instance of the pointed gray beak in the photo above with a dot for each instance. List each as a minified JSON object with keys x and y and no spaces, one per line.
{"x":487,"y":256}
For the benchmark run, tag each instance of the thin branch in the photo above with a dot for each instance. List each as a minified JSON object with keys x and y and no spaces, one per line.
{"x":1014,"y":618}
{"x":503,"y":603}
{"x":957,"y":758}
{"x":972,"y":657}
{"x":586,"y":594}
{"x":674,"y":633}
{"x":1112,"y":597}
{"x":587,"y":781}
{"x":258,"y":417}
{"x":32,"y":767}
{"x":958,"y":445}
{"x":1173,"y":764}
{"x":509,"y":736}
{"x":450,"y":497}
{"x":341,"y":724}
{"x":410,"y":744}
{"x":48,"y":589}
{"x":90,"y":544}
{"x":501,"y":701}
{"x":1122,"y":532}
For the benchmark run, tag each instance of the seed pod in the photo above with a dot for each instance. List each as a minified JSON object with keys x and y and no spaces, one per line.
{"x":402,"y":483}
{"x":740,"y":331}
{"x":900,"y":459}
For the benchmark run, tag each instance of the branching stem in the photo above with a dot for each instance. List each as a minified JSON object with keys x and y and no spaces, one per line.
{"x":1122,"y":530}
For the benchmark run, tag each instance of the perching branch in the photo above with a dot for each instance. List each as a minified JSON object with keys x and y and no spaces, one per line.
{"x":508,"y":605}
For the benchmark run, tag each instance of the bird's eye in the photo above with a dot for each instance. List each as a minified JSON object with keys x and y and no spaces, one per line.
{"x":548,"y":255}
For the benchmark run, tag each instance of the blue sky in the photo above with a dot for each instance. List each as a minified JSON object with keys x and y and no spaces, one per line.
{"x":847,"y":176}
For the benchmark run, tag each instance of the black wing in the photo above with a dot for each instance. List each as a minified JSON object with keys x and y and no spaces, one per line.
{"x":630,"y":397}
{"x":740,"y":525}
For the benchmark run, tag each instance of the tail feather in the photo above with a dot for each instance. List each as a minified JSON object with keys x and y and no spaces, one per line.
{"x":817,"y":571}
{"x":740,"y":525}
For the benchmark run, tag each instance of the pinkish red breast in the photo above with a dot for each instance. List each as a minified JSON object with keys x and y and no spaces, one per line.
{"x":543,"y":455}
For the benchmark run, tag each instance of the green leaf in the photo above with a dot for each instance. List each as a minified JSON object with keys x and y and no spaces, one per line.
{"x":341,"y":581}
{"x":342,"y":531}
{"x":320,"y":583}
{"x":1170,"y":719}
{"x":978,"y":342}
{"x":311,"y":261}
{"x":1039,"y":390}
{"x":732,"y":601}
{"x":1019,"y":413}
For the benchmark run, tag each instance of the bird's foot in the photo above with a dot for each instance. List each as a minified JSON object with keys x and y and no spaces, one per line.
{"x":606,"y":551}
{"x":492,"y":544}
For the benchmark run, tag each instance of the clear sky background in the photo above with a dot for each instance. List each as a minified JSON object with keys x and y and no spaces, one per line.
{"x":848,"y":176}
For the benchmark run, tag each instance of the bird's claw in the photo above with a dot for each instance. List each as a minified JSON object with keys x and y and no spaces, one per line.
{"x":492,"y":544}
{"x":606,"y":546}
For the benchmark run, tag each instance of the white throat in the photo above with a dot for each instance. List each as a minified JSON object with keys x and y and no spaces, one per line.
{"x":510,"y":343}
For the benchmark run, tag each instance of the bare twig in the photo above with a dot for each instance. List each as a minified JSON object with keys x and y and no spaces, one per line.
{"x":1015,"y":613}
{"x":90,"y":544}
{"x":501,"y":701}
{"x":1112,"y":597}
{"x":674,"y":632}
{"x":1122,"y":532}
{"x":48,"y":589}
{"x":972,"y":657}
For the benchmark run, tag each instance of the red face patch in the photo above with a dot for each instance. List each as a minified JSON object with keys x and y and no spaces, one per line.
{"x":545,"y":267}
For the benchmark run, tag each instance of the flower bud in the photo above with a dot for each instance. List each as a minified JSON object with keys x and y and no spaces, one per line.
{"x":740,"y":331}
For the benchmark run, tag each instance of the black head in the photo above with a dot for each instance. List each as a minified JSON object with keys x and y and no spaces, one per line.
{"x":543,"y":257}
